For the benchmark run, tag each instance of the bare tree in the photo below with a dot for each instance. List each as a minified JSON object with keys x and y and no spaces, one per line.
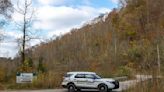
{"x":114,"y":28}
{"x":27,"y":11}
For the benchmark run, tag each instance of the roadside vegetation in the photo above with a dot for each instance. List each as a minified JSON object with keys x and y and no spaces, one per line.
{"x":152,"y":85}
{"x":130,"y":41}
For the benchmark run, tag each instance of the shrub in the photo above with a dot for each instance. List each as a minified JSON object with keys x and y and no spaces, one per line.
{"x":124,"y":71}
{"x":47,"y":80}
{"x":2,"y":74}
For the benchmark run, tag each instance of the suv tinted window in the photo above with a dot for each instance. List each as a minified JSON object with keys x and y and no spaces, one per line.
{"x":80,"y":76}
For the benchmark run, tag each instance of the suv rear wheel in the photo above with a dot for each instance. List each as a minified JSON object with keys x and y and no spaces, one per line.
{"x":103,"y":88}
{"x":71,"y":88}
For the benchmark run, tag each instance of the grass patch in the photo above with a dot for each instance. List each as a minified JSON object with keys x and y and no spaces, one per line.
{"x":152,"y":85}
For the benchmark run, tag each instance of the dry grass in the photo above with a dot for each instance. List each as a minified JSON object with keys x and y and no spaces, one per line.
{"x":1,"y":87}
{"x":48,"y":80}
{"x":152,"y":85}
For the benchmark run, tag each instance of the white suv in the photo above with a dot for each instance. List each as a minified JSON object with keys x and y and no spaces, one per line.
{"x":75,"y":81}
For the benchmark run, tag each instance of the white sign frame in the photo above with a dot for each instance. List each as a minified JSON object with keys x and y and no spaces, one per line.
{"x":25,"y":78}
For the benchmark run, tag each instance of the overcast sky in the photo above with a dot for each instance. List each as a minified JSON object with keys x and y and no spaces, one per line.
{"x":53,"y":17}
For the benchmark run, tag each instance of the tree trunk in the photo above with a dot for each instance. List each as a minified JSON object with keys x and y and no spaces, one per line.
{"x":24,"y":33}
{"x":158,"y":55}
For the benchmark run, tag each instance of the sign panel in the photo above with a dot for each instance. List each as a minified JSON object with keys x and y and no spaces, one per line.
{"x":25,"y":77}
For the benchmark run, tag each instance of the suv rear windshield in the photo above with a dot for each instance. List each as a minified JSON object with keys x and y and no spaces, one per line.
{"x":67,"y":75}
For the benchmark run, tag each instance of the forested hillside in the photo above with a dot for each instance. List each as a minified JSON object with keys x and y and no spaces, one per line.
{"x":129,"y":40}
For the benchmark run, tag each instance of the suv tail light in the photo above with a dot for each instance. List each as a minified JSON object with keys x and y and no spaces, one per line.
{"x":116,"y":83}
{"x":67,"y":75}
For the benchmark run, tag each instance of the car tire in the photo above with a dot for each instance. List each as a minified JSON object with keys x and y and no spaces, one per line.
{"x":103,"y":88}
{"x":71,"y":88}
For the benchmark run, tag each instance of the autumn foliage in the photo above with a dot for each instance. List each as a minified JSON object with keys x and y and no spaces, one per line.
{"x":124,"y":44}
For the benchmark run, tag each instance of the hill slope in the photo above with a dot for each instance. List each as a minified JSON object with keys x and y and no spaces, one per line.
{"x":120,"y":43}
{"x":126,"y":41}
